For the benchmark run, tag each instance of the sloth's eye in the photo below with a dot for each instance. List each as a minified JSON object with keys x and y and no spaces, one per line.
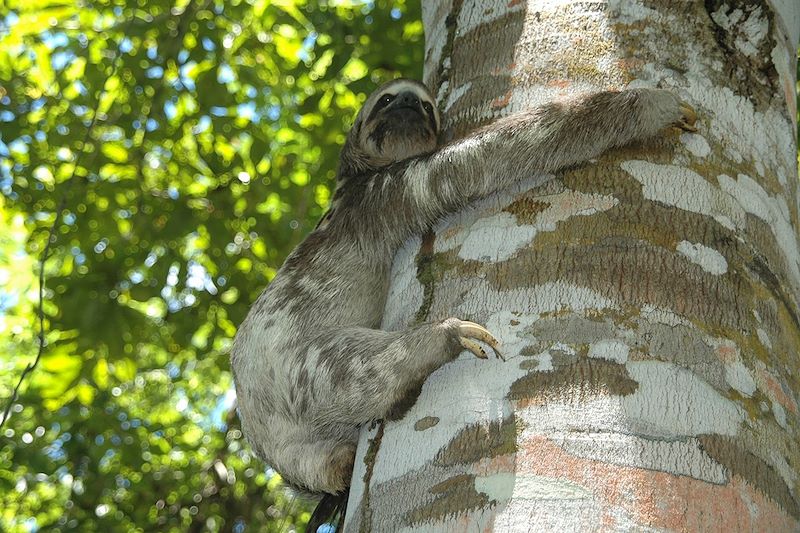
{"x":385,"y":100}
{"x":428,"y":108}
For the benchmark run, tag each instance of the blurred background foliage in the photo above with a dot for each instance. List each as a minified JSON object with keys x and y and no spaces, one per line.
{"x":194,"y":143}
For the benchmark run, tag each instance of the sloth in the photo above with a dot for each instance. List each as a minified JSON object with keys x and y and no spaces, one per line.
{"x":310,"y":364}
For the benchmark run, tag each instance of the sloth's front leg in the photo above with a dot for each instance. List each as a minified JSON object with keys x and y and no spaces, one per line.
{"x":362,"y":373}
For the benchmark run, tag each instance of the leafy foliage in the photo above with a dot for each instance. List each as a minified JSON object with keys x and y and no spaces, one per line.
{"x":194,"y":143}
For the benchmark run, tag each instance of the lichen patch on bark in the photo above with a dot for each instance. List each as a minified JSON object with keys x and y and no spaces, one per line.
{"x":426,"y":423}
{"x":479,"y":441}
{"x":755,"y":471}
{"x":573,"y":383}
{"x":453,"y":496}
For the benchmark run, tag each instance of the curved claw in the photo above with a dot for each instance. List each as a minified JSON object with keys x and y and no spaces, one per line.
{"x":688,"y":118}
{"x":471,"y":330}
{"x":473,"y":347}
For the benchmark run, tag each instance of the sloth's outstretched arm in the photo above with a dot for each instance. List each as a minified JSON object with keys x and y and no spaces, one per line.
{"x":413,"y":194}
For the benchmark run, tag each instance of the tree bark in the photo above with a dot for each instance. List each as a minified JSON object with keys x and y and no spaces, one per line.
{"x":647,"y":302}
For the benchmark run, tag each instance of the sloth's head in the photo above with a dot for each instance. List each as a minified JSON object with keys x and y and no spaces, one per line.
{"x":398,"y":121}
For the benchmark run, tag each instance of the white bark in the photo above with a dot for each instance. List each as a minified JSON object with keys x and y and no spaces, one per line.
{"x":647,"y":302}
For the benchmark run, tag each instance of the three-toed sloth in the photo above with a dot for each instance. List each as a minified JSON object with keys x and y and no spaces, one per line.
{"x":309,"y":362}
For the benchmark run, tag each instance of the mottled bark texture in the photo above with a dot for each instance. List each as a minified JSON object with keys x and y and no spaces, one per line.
{"x":647,"y":302}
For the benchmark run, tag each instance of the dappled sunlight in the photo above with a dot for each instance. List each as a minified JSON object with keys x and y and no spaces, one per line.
{"x":187,"y":146}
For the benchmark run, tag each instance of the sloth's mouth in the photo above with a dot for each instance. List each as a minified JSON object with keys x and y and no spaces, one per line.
{"x":407,"y":107}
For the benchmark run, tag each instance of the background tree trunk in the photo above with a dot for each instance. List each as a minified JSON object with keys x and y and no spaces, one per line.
{"x":647,"y":302}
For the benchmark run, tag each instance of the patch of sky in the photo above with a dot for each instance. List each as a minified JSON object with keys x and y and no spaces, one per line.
{"x":9,"y":20}
{"x":151,"y":124}
{"x":101,"y":245}
{"x":79,"y":110}
{"x":151,"y":259}
{"x":8,"y":300}
{"x":125,"y":45}
{"x":367,"y":7}
{"x":170,"y":110}
{"x":220,"y":411}
{"x":20,"y":144}
{"x":55,"y":450}
{"x":183,"y":55}
{"x":173,"y":370}
{"x":248,"y":111}
{"x":5,"y":181}
{"x":274,"y":112}
{"x":173,"y":193}
{"x":54,"y":39}
{"x":152,"y":52}
{"x":172,"y":275}
{"x":308,"y":44}
{"x":225,"y":74}
{"x":115,"y":134}
{"x":187,"y":81}
{"x":154,"y":72}
{"x":395,"y":13}
{"x":197,"y":278}
{"x":60,"y":59}
{"x":208,"y":44}
{"x":105,"y":460}
{"x":202,"y":124}
{"x":218,"y":111}
{"x":6,"y":116}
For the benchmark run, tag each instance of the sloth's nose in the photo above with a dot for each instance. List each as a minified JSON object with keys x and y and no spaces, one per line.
{"x":407,"y":98}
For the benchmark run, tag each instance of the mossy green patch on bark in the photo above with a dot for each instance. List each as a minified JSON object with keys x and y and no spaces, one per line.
{"x":425,"y":276}
{"x":369,"y":460}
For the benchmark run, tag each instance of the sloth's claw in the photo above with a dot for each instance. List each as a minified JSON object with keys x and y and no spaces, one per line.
{"x":470,"y":330}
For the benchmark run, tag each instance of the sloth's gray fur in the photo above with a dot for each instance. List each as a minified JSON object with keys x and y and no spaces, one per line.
{"x":309,"y":363}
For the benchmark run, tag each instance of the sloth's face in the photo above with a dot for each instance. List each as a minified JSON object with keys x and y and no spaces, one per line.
{"x":398,"y":121}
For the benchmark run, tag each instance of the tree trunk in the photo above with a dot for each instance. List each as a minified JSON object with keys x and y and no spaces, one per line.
{"x":647,"y":302}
